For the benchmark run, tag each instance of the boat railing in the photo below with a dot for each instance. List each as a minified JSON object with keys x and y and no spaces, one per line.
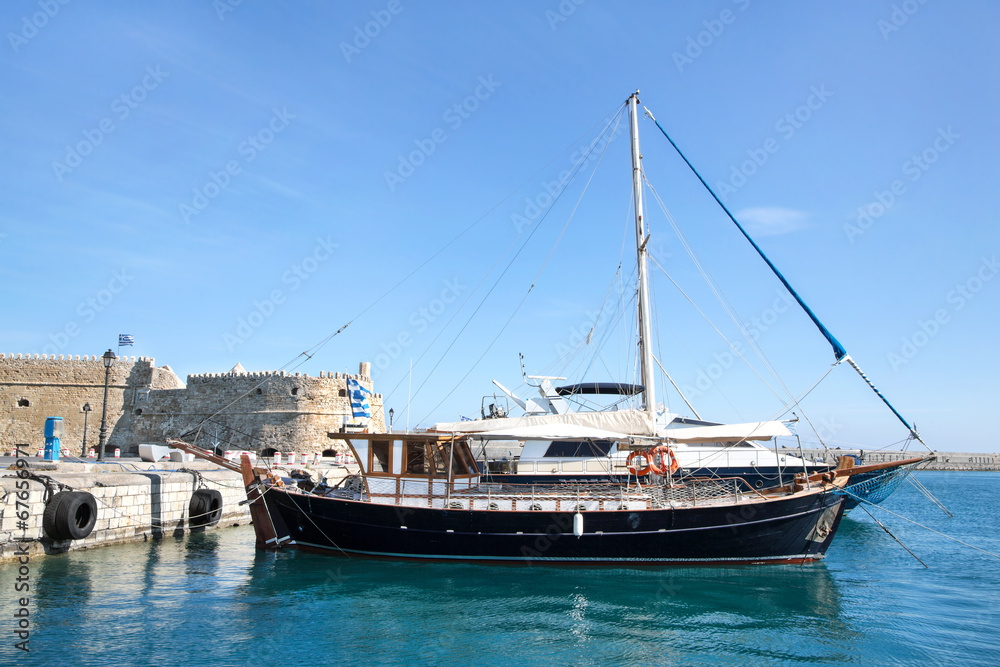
{"x":560,"y":497}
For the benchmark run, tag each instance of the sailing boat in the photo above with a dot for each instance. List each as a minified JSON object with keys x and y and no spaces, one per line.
{"x":422,"y":496}
{"x":550,"y":451}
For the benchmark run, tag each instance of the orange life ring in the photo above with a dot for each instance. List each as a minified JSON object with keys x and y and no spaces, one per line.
{"x":658,"y":460}
{"x":632,"y":469}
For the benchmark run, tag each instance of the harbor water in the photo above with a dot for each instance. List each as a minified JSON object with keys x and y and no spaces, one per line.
{"x":211,"y":598}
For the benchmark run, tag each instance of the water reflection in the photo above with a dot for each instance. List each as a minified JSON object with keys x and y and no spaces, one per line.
{"x":455,"y":604}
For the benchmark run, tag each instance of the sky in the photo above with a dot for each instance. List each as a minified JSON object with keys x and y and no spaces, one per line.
{"x":237,"y":181}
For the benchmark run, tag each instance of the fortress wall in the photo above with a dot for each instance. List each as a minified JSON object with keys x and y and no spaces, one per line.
{"x":146,"y":403}
{"x":33,"y":388}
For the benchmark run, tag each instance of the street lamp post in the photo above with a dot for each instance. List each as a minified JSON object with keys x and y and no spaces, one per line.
{"x":109,"y":360}
{"x":390,"y":420}
{"x":86,"y":413}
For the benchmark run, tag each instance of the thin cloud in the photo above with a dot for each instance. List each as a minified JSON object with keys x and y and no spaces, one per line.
{"x":772,"y":220}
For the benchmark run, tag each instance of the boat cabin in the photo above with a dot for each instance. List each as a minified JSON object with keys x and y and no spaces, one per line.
{"x":412,"y":468}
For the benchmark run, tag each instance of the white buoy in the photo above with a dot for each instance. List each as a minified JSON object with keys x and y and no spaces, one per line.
{"x":578,"y":524}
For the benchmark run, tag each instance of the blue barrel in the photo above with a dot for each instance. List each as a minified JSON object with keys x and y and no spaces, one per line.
{"x":53,"y":432}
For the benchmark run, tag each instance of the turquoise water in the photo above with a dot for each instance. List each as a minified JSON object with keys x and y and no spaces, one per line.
{"x":212,"y":599}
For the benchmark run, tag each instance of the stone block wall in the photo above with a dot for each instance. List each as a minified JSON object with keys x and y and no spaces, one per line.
{"x":33,"y":388}
{"x":130,"y":506}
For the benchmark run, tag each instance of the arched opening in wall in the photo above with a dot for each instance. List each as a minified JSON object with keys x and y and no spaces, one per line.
{"x":329,"y":452}
{"x":23,"y":403}
{"x":295,"y":391}
{"x":138,"y":411}
{"x":268,"y":452}
{"x":259,"y":391}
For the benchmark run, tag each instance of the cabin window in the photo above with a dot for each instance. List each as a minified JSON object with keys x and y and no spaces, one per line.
{"x":579,"y":448}
{"x":417,"y":458}
{"x":379,"y":456}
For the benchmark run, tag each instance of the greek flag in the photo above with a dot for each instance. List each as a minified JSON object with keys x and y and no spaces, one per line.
{"x":359,"y":399}
{"x":125,"y":339}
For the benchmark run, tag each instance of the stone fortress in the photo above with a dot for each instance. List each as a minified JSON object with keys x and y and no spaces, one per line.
{"x":261,"y":411}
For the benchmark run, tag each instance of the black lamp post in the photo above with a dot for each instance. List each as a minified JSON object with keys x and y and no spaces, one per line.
{"x":390,"y":420}
{"x":86,"y":413}
{"x":109,"y":360}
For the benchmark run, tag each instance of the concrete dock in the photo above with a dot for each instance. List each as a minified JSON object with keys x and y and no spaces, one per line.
{"x":135,"y":500}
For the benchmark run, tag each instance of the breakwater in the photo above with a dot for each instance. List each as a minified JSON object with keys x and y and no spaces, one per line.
{"x":970,"y":461}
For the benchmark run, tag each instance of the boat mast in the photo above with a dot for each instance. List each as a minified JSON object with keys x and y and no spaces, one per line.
{"x":645,"y":330}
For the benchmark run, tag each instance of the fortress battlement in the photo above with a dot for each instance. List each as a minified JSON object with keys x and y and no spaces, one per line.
{"x":240,"y":409}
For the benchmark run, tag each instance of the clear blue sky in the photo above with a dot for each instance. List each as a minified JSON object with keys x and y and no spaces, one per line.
{"x":232,"y":182}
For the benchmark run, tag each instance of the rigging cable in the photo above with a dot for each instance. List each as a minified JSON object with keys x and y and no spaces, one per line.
{"x":917,"y":523}
{"x":526,"y":294}
{"x":838,"y":350}
{"x":549,"y":203}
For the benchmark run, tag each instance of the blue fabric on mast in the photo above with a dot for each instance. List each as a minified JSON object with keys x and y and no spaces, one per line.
{"x":838,"y":349}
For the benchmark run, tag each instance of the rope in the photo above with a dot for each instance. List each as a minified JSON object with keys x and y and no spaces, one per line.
{"x":936,"y":532}
{"x":887,"y":532}
{"x":930,"y":496}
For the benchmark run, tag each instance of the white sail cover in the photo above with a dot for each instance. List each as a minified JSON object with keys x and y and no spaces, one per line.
{"x":728,"y":432}
{"x":551,"y":432}
{"x":618,"y":422}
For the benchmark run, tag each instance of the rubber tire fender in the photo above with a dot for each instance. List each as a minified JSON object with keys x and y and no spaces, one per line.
{"x":205,"y":508}
{"x":70,"y":515}
{"x":52,"y":527}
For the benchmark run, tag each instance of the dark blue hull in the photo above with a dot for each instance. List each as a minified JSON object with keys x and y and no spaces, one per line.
{"x":790,"y":529}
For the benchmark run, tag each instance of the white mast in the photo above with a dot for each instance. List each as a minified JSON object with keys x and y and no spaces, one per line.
{"x":645,"y":330}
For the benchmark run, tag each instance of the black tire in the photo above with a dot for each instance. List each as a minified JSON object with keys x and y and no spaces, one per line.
{"x":205,"y":508}
{"x":74,"y":515}
{"x":49,"y":522}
